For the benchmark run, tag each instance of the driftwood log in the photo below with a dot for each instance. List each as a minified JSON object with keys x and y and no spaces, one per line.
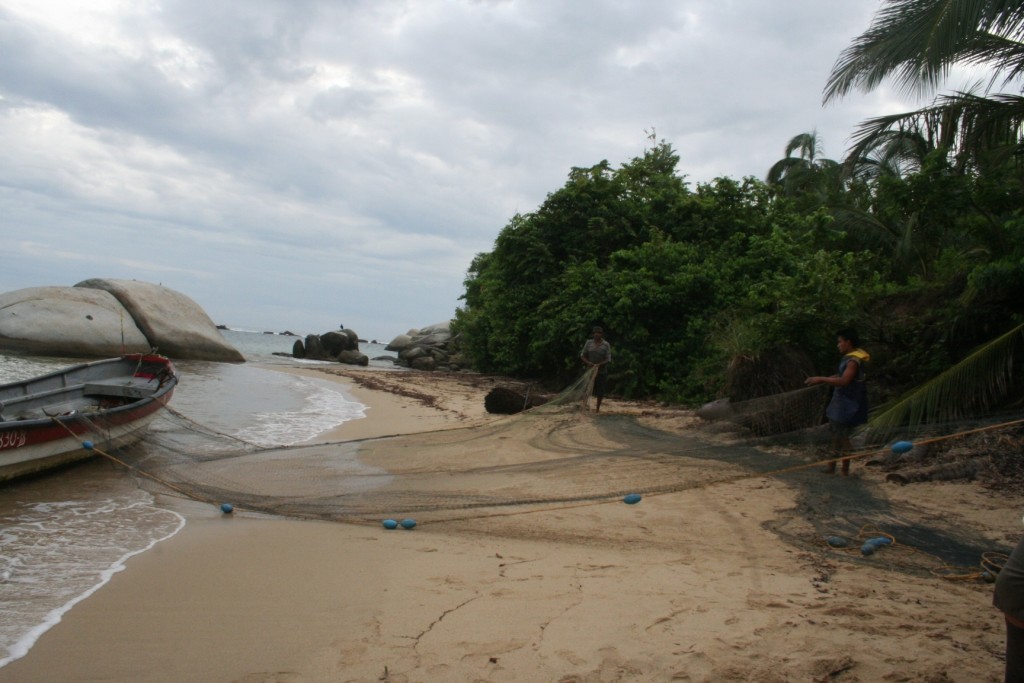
{"x":505,"y":401}
{"x":967,"y":469}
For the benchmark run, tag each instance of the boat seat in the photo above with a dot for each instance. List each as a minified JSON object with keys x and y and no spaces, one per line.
{"x":29,"y":407}
{"x":13,"y":401}
{"x":120,"y":388}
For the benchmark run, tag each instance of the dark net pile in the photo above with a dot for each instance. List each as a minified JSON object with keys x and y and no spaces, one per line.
{"x":558,"y":454}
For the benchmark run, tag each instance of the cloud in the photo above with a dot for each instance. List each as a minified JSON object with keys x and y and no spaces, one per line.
{"x":289,"y":164}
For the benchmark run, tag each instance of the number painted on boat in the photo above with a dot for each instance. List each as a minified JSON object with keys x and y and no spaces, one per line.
{"x":13,"y":439}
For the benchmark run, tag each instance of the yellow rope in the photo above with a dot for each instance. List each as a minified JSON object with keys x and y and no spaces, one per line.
{"x":603,"y":500}
{"x":956,"y":435}
{"x":874,"y":532}
{"x":117,"y":460}
{"x":988,"y":565}
{"x":993,"y":562}
{"x":986,"y":557}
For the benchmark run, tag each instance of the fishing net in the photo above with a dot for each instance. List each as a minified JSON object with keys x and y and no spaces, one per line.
{"x":548,"y":454}
{"x":575,"y":396}
{"x":553,"y":456}
{"x":789,"y":412}
{"x":511,"y":399}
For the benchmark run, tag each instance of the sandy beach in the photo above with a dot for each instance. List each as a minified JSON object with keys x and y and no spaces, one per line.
{"x":517,"y":571}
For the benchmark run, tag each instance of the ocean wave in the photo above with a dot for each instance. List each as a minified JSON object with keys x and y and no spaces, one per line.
{"x":57,"y":553}
{"x":324,"y":407}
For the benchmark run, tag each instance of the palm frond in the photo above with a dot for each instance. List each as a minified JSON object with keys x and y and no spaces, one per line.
{"x":1005,"y":56}
{"x":965,"y":390}
{"x":915,"y":42}
{"x":889,"y":153}
{"x":784,"y":168}
{"x":969,"y":124}
{"x":868,"y":229}
{"x":808,"y":143}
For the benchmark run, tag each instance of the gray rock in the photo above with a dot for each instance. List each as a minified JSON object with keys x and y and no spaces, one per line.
{"x":353,"y":358}
{"x":341,"y":346}
{"x":65,"y":321}
{"x":412,"y":353}
{"x":314,"y":349}
{"x":173,"y":323}
{"x":423,"y":363}
{"x":436,"y":328}
{"x":336,"y":342}
{"x":434,"y":342}
{"x":440,"y":355}
{"x":399,"y":342}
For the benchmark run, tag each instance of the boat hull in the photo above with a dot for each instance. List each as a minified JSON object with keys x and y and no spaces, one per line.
{"x":49,"y":421}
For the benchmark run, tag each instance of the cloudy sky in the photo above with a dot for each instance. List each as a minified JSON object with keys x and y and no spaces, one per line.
{"x":300,"y":164}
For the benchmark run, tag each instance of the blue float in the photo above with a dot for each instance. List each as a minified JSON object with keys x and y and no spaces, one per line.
{"x":868,"y":549}
{"x":390,"y":524}
{"x":631,"y":499}
{"x":87,"y":445}
{"x":227,"y":508}
{"x":902,"y":446}
{"x":408,"y":523}
{"x":837,"y":541}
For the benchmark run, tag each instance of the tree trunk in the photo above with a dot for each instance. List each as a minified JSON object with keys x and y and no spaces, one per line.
{"x":505,"y":401}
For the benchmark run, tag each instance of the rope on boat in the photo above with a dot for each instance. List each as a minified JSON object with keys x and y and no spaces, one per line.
{"x":209,"y":430}
{"x":122,"y":463}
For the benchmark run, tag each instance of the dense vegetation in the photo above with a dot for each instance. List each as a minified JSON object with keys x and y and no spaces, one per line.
{"x":737,"y":287}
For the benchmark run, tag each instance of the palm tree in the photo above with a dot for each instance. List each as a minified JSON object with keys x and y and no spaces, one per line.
{"x":894,"y":153}
{"x":956,"y":393}
{"x":808,"y":173}
{"x":982,"y":131}
{"x":917,"y":43}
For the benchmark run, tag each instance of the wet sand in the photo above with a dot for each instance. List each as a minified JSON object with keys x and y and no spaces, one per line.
{"x":716,"y":581}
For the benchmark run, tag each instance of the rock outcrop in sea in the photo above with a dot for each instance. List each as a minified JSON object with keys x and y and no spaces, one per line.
{"x":341,"y":346}
{"x":429,"y":348}
{"x":103,"y":317}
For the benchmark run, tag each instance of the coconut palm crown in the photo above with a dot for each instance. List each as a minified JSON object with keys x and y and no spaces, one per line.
{"x":916,"y":44}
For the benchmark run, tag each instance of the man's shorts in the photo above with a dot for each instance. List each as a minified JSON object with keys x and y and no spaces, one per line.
{"x":840,"y":428}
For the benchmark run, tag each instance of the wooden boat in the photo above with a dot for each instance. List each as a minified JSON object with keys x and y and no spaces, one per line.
{"x":51,"y":420}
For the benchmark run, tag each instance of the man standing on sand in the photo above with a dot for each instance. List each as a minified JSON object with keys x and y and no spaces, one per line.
{"x":849,"y":405}
{"x":1009,"y":598}
{"x":597,"y":353}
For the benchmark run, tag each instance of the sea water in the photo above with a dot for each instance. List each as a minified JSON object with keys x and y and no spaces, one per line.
{"x":65,"y":534}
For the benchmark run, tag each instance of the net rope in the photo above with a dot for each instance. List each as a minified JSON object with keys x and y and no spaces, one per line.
{"x":553,"y":456}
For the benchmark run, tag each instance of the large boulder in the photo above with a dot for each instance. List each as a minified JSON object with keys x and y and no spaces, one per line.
{"x":429,"y":348}
{"x":353,"y":357}
{"x":65,"y":321}
{"x":173,"y":323}
{"x":336,"y":342}
{"x":399,"y":342}
{"x":100,"y":318}
{"x":341,"y":346}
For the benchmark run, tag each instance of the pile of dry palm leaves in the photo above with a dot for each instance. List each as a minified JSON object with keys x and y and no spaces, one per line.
{"x":994,"y":458}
